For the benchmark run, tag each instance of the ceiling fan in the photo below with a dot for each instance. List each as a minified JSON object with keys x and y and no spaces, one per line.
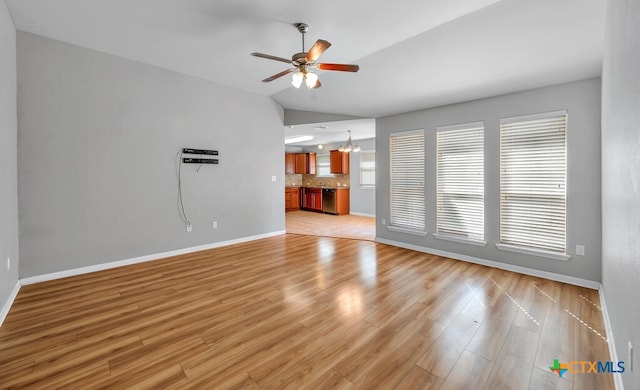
{"x":303,"y":62}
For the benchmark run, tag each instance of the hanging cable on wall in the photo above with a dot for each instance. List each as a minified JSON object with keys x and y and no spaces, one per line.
{"x":201,"y":160}
{"x":180,"y":203}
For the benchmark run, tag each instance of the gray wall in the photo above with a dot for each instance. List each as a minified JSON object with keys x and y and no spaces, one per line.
{"x":582,"y":100}
{"x":97,"y":143}
{"x":621,"y":180}
{"x":363,"y":200}
{"x":8,"y":159}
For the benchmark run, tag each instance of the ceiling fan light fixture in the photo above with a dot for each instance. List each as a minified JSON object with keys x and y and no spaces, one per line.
{"x":320,"y":146}
{"x":341,"y":148}
{"x":311,"y":79}
{"x":356,"y":148}
{"x":296,"y":79}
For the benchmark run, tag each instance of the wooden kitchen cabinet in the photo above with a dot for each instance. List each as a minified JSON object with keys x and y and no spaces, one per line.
{"x":289,"y":163}
{"x":305,"y":163}
{"x":339,"y":162}
{"x":312,"y":199}
{"x":343,"y":201}
{"x":291,"y":199}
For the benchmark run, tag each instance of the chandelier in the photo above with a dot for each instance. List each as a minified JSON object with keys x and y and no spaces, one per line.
{"x":350,"y":146}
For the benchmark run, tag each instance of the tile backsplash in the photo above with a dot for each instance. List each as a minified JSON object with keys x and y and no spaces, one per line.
{"x":293,"y":180}
{"x":315,"y":181}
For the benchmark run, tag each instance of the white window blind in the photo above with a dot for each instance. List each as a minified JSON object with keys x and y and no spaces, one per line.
{"x":460,"y":181}
{"x":368,"y":169}
{"x":323,"y":165}
{"x":407,"y":158}
{"x":533,"y":181}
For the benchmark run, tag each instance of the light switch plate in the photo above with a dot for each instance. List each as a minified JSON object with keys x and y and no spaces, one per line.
{"x":580,"y":250}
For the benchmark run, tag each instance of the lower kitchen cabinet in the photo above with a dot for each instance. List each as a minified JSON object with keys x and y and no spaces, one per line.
{"x":292,"y":199}
{"x":342,"y":201}
{"x":312,"y":199}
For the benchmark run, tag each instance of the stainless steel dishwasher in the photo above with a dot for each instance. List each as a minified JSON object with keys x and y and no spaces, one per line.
{"x":329,"y":201}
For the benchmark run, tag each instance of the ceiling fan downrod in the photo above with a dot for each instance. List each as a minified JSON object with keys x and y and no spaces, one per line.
{"x":303,"y":28}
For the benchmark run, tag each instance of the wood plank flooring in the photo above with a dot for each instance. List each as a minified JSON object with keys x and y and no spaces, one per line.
{"x":341,"y":226}
{"x":293,"y":312}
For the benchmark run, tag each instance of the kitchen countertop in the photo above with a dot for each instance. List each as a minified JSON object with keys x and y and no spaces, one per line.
{"x":320,"y":188}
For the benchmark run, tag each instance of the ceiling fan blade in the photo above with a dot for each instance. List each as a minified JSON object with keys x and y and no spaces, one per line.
{"x":317,"y":49}
{"x":318,"y":85}
{"x":270,"y":57}
{"x":338,"y":67}
{"x":277,"y":76}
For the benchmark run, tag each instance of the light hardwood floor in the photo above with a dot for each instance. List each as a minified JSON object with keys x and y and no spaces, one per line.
{"x":342,"y":226}
{"x":298,"y":312}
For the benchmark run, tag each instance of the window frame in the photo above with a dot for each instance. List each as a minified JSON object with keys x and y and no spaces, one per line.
{"x":452,"y":178}
{"x":410,"y":188}
{"x":328,"y":165}
{"x":360,"y":169}
{"x":542,"y":196}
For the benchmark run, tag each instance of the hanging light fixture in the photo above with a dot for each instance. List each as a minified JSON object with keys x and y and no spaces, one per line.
{"x":350,"y":147}
{"x":309,"y":78}
{"x":296,"y":79}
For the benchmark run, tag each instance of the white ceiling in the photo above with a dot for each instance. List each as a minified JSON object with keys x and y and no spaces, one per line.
{"x":412,"y":54}
{"x":333,"y":132}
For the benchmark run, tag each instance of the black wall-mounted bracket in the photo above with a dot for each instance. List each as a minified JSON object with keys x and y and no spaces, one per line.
{"x":200,"y":151}
{"x":188,"y":160}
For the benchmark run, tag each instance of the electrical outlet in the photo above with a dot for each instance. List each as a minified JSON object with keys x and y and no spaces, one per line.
{"x":580,"y":250}
{"x":189,"y":228}
{"x":273,"y":178}
{"x":630,"y":357}
{"x":8,"y":262}
{"x":214,"y":224}
{"x":384,"y":221}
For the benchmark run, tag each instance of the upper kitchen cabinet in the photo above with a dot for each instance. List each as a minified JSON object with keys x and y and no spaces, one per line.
{"x":289,"y":163}
{"x":305,"y":163}
{"x":339,"y":162}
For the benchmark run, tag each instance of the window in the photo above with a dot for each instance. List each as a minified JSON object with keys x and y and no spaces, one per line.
{"x":368,"y":169}
{"x":533,"y":183}
{"x":323,"y":165}
{"x":460,"y":182}
{"x":407,"y":174}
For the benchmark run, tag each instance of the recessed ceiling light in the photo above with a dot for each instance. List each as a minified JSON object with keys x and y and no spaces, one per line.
{"x":302,"y":138}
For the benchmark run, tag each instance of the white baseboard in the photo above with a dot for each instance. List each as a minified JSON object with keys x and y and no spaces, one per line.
{"x":141,"y":259}
{"x":363,"y":214}
{"x":617,"y":379}
{"x":9,"y":302}
{"x":495,"y":264}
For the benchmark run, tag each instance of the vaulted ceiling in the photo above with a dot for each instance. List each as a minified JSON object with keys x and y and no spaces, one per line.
{"x":412,"y":54}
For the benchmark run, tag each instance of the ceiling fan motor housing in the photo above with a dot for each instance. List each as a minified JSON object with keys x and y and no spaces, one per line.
{"x":299,"y":59}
